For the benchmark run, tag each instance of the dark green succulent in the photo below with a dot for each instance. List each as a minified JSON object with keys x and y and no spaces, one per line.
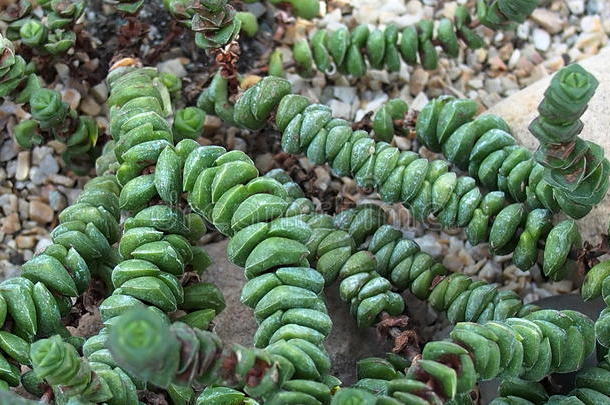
{"x":576,"y":169}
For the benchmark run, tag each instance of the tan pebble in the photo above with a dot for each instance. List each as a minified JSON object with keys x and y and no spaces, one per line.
{"x":100,"y":92}
{"x":41,"y":212}
{"x":58,"y":147}
{"x":555,"y":63}
{"x":549,"y":20}
{"x":72,"y":97}
{"x":496,"y":63}
{"x":323,"y":178}
{"x":25,"y":242}
{"x":212,"y":123}
{"x":10,"y":224}
{"x":23,"y":165}
{"x":90,"y":107}
{"x":61,"y":180}
{"x":419,"y":79}
{"x":506,"y":51}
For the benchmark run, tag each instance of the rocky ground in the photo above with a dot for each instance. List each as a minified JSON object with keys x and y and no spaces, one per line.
{"x":35,"y":185}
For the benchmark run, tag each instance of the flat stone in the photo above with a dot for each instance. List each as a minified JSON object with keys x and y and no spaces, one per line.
{"x":520,"y":109}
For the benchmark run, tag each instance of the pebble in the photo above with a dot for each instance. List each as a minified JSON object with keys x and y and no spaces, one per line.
{"x":418,"y":81}
{"x":25,"y":242}
{"x":61,"y":180}
{"x":419,"y":102}
{"x":542,"y":40}
{"x":378,"y":99}
{"x":211,"y":124}
{"x":258,"y":9}
{"x":496,"y":63}
{"x":72,"y":97}
{"x":490,"y":271}
{"x":523,"y":30}
{"x":555,"y":63}
{"x":90,"y":107}
{"x":63,"y":71}
{"x":39,"y":152}
{"x":341,"y":109}
{"x":37,"y":177}
{"x":476,"y":83}
{"x":57,"y":200}
{"x":173,"y":66}
{"x":576,"y":6}
{"x":378,"y":75}
{"x":429,"y":243}
{"x":23,"y":165}
{"x":40,"y":212}
{"x":8,"y":151}
{"x":8,"y":203}
{"x":240,"y":144}
{"x":264,"y":162}
{"x":10,"y":224}
{"x":547,"y":19}
{"x":322,"y":178}
{"x":48,"y":166}
{"x":43,"y":244}
{"x":23,"y":208}
{"x":347,"y":94}
{"x":100,"y":92}
{"x":493,"y":86}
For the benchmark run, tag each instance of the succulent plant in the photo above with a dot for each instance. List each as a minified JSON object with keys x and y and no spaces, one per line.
{"x":135,"y":228}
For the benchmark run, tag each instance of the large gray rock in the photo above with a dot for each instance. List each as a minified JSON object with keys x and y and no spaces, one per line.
{"x":236,"y":324}
{"x":521,"y":108}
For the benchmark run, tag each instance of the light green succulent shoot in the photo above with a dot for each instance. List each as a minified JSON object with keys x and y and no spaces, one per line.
{"x":144,"y":344}
{"x":72,"y":376}
{"x":188,"y":123}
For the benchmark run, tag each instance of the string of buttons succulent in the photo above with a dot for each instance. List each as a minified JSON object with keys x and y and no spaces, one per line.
{"x":223,"y":234}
